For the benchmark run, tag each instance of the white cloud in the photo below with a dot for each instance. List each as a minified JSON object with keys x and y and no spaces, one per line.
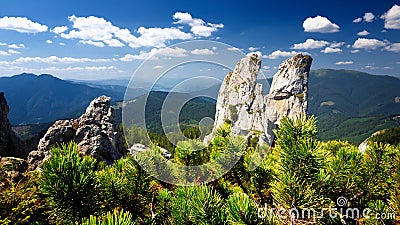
{"x":357,"y":20}
{"x":198,"y":26}
{"x":11,"y":51}
{"x":57,"y":60}
{"x":266,"y":67}
{"x":158,"y":67}
{"x":371,"y":67}
{"x":344,"y":63}
{"x":21,"y":24}
{"x":252,"y":49}
{"x":2,"y":44}
{"x":337,"y":44}
{"x":395,"y":47}
{"x":203,"y":51}
{"x":3,"y":53}
{"x":234,"y":49}
{"x":59,"y":30}
{"x":363,"y":33}
{"x":157,"y":37}
{"x":95,"y":30}
{"x":392,"y":18}
{"x":15,"y":46}
{"x":310,"y":44}
{"x":320,"y":24}
{"x":369,"y":17}
{"x":61,"y":43}
{"x":331,"y":50}
{"x":168,"y":52}
{"x":49,"y":41}
{"x":114,"y":43}
{"x":355,"y":51}
{"x":368,"y":44}
{"x":278,"y":54}
{"x":94,"y":43}
{"x":387,"y":68}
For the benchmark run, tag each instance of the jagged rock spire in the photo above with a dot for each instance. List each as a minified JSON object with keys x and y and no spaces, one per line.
{"x":240,"y":100}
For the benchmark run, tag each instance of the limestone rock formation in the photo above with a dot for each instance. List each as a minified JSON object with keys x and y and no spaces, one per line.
{"x":10,"y":145}
{"x":96,"y":133}
{"x":240,"y":100}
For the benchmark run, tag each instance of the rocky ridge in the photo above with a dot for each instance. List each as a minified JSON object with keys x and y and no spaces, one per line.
{"x":241,"y":102}
{"x":96,"y":133}
{"x":10,"y":145}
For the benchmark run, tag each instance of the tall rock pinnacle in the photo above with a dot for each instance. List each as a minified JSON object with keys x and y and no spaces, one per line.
{"x":241,"y":103}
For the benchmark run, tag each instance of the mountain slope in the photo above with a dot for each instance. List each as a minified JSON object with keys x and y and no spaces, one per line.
{"x":44,"y":98}
{"x":351,"y":105}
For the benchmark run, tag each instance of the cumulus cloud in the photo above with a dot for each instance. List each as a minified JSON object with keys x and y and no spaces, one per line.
{"x":331,"y":50}
{"x":59,"y":30}
{"x":368,"y":17}
{"x":355,"y":51}
{"x":278,"y":54}
{"x":337,"y":44}
{"x":198,"y":26}
{"x":100,"y":32}
{"x":310,"y":44}
{"x":368,"y":44}
{"x":16,"y":46}
{"x":203,"y":51}
{"x":4,"y":53}
{"x":12,"y":51}
{"x":395,"y":47}
{"x":363,"y":33}
{"x":2,"y":44}
{"x":252,"y":49}
{"x":21,"y":24}
{"x":357,"y":20}
{"x":344,"y":63}
{"x":392,"y":18}
{"x":168,"y":52}
{"x":320,"y":24}
{"x":49,"y":41}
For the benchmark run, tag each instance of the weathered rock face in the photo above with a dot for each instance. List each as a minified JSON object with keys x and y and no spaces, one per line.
{"x":10,"y":145}
{"x":95,"y":132}
{"x":240,"y":100}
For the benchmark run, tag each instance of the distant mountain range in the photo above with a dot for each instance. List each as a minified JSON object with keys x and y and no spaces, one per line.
{"x":45,"y":98}
{"x":350,"y":105}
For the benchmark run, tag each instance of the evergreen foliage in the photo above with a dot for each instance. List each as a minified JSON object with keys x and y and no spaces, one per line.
{"x":299,"y":174}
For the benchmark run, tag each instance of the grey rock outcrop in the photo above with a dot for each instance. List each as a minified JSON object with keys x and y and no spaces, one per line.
{"x":137,"y":148}
{"x":241,"y":102}
{"x":96,"y":133}
{"x":10,"y":145}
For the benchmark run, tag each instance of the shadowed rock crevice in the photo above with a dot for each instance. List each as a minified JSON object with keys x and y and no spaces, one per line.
{"x":10,"y":145}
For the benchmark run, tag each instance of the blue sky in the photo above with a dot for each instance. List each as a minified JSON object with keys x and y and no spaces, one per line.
{"x":109,"y":39}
